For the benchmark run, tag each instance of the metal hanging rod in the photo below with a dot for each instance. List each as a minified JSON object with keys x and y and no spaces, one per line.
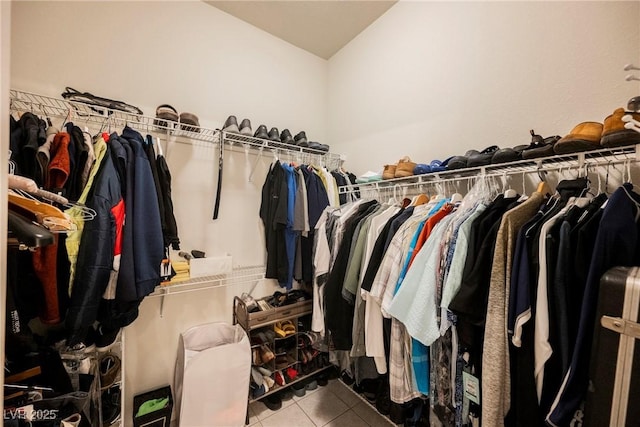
{"x":602,"y":157}
{"x":103,"y":118}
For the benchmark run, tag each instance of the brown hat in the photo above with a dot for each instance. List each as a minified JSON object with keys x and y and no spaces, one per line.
{"x":614,"y":133}
{"x":583,"y":137}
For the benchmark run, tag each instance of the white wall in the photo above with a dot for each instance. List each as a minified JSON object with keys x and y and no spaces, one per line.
{"x":434,"y":79}
{"x":5,"y":49}
{"x":200,"y":60}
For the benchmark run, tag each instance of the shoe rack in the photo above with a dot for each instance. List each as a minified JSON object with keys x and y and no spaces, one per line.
{"x":107,"y":119}
{"x":107,"y":389}
{"x":584,"y":162}
{"x":281,"y":342}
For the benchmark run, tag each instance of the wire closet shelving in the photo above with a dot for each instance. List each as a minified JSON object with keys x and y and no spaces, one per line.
{"x":585,"y":160}
{"x":104,"y":118}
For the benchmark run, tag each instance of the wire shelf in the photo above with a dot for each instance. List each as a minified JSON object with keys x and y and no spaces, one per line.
{"x":106,"y":118}
{"x":584,"y":159}
{"x":238,"y":276}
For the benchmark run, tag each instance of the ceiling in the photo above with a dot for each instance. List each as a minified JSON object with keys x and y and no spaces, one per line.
{"x":319,"y":27}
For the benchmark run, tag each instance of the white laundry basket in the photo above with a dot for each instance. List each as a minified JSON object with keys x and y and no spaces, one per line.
{"x":212,"y":376}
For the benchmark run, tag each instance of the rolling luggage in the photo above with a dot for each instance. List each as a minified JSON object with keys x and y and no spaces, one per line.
{"x":613,"y":398}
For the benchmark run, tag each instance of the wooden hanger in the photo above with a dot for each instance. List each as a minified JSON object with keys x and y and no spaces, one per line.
{"x":543,"y":187}
{"x":420,"y":199}
{"x":49,"y":216}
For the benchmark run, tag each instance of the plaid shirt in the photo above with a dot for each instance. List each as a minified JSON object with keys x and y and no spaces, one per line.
{"x":401,"y":388}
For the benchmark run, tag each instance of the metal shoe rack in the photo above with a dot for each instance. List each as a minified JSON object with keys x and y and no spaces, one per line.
{"x":107,"y":119}
{"x":253,"y":322}
{"x":582,"y":162}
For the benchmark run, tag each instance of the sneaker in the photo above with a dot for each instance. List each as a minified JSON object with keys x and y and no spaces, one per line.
{"x":323,"y":379}
{"x":301,"y":139}
{"x":166,"y":112}
{"x":299,"y":389}
{"x":286,"y":138}
{"x":311,"y":385}
{"x":273,"y":402}
{"x":285,"y":394}
{"x":261,"y":132}
{"x":314,"y":145}
{"x":346,"y":377}
{"x":258,"y":391}
{"x":245,"y":127}
{"x":110,"y":405}
{"x":274,"y":134}
{"x":71,"y":421}
{"x":279,"y":378}
{"x":105,"y":339}
{"x":231,"y":125}
{"x":109,"y":370}
{"x":187,"y":119}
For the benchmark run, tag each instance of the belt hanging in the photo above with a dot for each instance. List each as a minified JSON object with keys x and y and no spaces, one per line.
{"x":216,"y":208}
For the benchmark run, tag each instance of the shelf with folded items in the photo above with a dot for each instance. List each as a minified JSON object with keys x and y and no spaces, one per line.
{"x":583,"y":159}
{"x":238,"y":276}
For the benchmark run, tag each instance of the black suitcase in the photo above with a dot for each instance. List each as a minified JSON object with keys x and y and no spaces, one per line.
{"x":613,"y":398}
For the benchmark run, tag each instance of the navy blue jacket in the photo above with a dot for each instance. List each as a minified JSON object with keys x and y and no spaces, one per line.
{"x":143,"y":241}
{"x":95,"y":256}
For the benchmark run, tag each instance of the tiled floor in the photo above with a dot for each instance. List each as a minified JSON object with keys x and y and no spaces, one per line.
{"x":332,"y":406}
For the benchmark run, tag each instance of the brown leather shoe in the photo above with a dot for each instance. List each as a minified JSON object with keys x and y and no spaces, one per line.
{"x":109,"y":370}
{"x":389,"y":172}
{"x":614,"y":134}
{"x":405,"y":168}
{"x":583,"y":137}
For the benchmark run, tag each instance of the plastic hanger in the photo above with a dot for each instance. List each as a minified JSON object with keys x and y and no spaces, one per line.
{"x":631,"y":123}
{"x":456,"y":198}
{"x":509,"y":192}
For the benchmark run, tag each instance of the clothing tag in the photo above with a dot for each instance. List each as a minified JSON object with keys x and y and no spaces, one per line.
{"x":471,"y":387}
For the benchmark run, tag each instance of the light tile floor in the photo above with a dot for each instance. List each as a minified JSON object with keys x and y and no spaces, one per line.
{"x":334,"y":405}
